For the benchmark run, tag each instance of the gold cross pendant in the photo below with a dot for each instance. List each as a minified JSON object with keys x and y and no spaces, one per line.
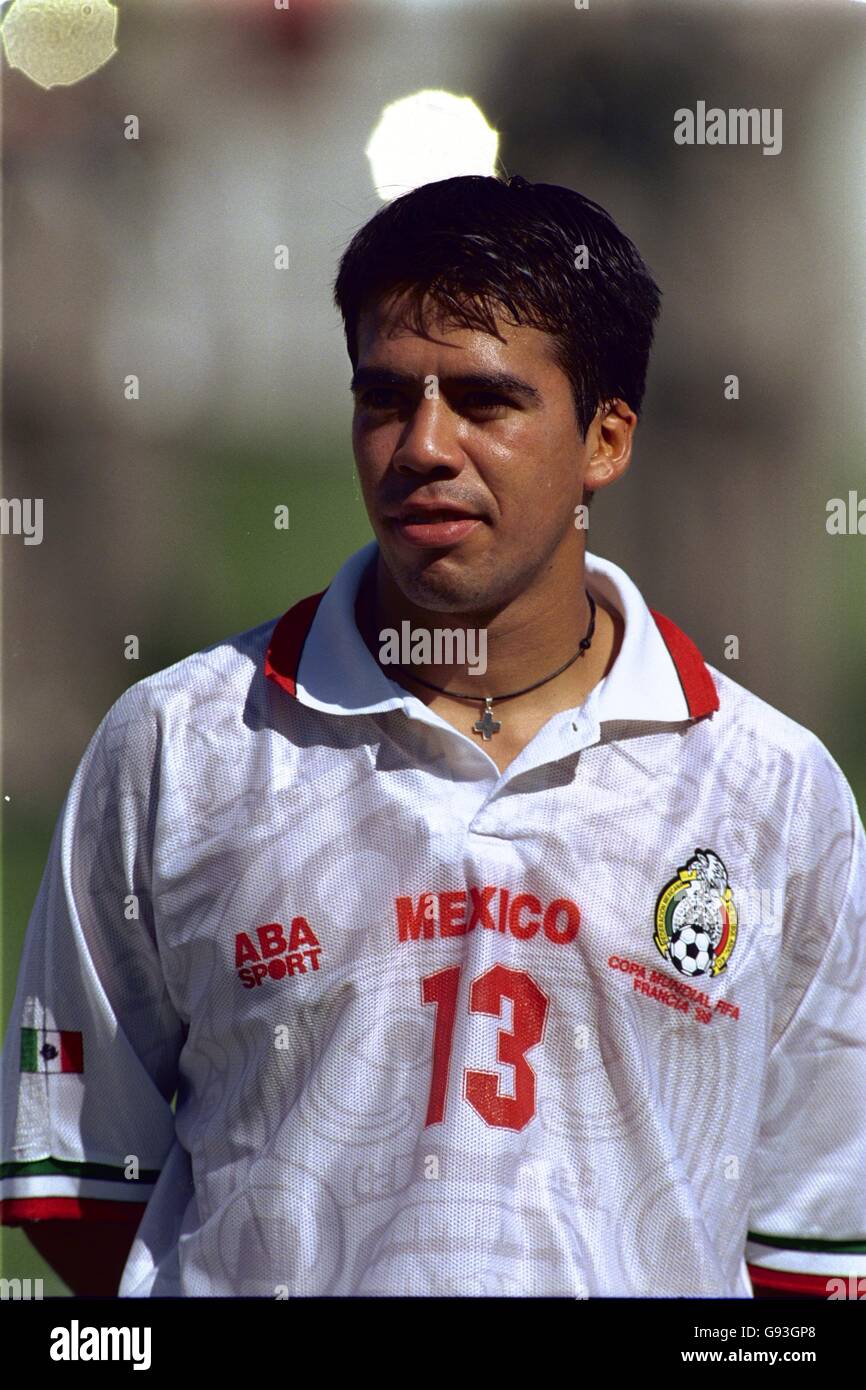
{"x":487,"y":726}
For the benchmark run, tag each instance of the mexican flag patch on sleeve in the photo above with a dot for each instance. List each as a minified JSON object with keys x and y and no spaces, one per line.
{"x":45,"y":1049}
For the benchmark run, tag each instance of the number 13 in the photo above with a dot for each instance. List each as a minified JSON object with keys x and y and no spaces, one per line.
{"x":481,"y":1088}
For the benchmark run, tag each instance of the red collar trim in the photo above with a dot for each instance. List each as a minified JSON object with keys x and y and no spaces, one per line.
{"x":287,"y":640}
{"x":289,"y":634}
{"x":698,"y":685}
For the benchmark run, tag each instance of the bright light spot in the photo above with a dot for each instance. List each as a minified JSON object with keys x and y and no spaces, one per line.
{"x":426,"y":137}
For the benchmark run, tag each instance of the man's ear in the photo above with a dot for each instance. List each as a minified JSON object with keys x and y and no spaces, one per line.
{"x":614,"y":427}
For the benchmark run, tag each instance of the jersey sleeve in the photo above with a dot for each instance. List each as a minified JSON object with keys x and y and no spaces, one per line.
{"x":807,"y":1220}
{"x":90,"y":1059}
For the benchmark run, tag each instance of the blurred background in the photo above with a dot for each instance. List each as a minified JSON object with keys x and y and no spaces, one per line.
{"x":155,"y":256}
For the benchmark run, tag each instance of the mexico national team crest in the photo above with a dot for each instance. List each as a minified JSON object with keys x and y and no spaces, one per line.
{"x":696,"y":919}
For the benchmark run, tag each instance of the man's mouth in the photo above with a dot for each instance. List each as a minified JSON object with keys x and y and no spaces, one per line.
{"x":434,"y":528}
{"x":431,"y":526}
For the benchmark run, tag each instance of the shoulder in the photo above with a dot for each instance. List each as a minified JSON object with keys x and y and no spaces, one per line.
{"x":210,"y":688}
{"x":800,"y":827}
{"x":775,"y":748}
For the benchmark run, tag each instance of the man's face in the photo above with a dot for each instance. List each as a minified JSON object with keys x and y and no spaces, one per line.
{"x":507,"y":451}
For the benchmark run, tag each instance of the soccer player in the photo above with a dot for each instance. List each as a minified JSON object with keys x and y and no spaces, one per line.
{"x":491,"y":940}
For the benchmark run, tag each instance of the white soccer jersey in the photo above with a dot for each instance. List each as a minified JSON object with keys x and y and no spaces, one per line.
{"x":593,"y":1026}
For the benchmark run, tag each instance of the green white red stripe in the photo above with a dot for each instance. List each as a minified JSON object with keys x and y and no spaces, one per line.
{"x":51,"y":1050}
{"x":43,"y":1188}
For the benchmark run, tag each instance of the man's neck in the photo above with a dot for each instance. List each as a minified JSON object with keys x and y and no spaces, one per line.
{"x":525,"y":643}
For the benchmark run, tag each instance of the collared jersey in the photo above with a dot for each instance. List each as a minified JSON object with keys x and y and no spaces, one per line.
{"x":594,"y":1025}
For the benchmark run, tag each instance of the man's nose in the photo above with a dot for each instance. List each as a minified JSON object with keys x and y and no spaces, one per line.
{"x":429,"y":438}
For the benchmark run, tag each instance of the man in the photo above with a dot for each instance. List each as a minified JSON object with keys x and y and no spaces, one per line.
{"x":493,"y":942}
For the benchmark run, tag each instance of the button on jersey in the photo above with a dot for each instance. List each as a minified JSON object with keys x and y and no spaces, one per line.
{"x":591,"y":1026}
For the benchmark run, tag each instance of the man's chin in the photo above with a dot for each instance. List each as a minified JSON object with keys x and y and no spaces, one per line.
{"x":441,"y":581}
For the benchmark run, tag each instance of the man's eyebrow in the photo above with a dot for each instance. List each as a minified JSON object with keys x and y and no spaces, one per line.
{"x":480,"y":381}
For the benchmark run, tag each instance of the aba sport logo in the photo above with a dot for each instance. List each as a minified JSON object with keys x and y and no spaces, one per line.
{"x":696,"y":918}
{"x":282,"y":952}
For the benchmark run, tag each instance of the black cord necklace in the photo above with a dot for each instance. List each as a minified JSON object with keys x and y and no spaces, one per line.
{"x":487,"y":726}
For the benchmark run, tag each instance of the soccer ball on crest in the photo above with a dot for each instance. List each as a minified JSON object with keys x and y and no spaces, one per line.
{"x":691,"y":950}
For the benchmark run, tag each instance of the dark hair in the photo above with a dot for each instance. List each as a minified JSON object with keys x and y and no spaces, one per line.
{"x":478,"y":245}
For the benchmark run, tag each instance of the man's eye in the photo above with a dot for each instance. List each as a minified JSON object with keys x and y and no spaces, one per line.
{"x":373,"y":399}
{"x":477,"y":402}
{"x":484,"y":400}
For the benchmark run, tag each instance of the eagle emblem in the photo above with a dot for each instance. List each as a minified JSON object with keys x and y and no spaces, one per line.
{"x":696,"y":917}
